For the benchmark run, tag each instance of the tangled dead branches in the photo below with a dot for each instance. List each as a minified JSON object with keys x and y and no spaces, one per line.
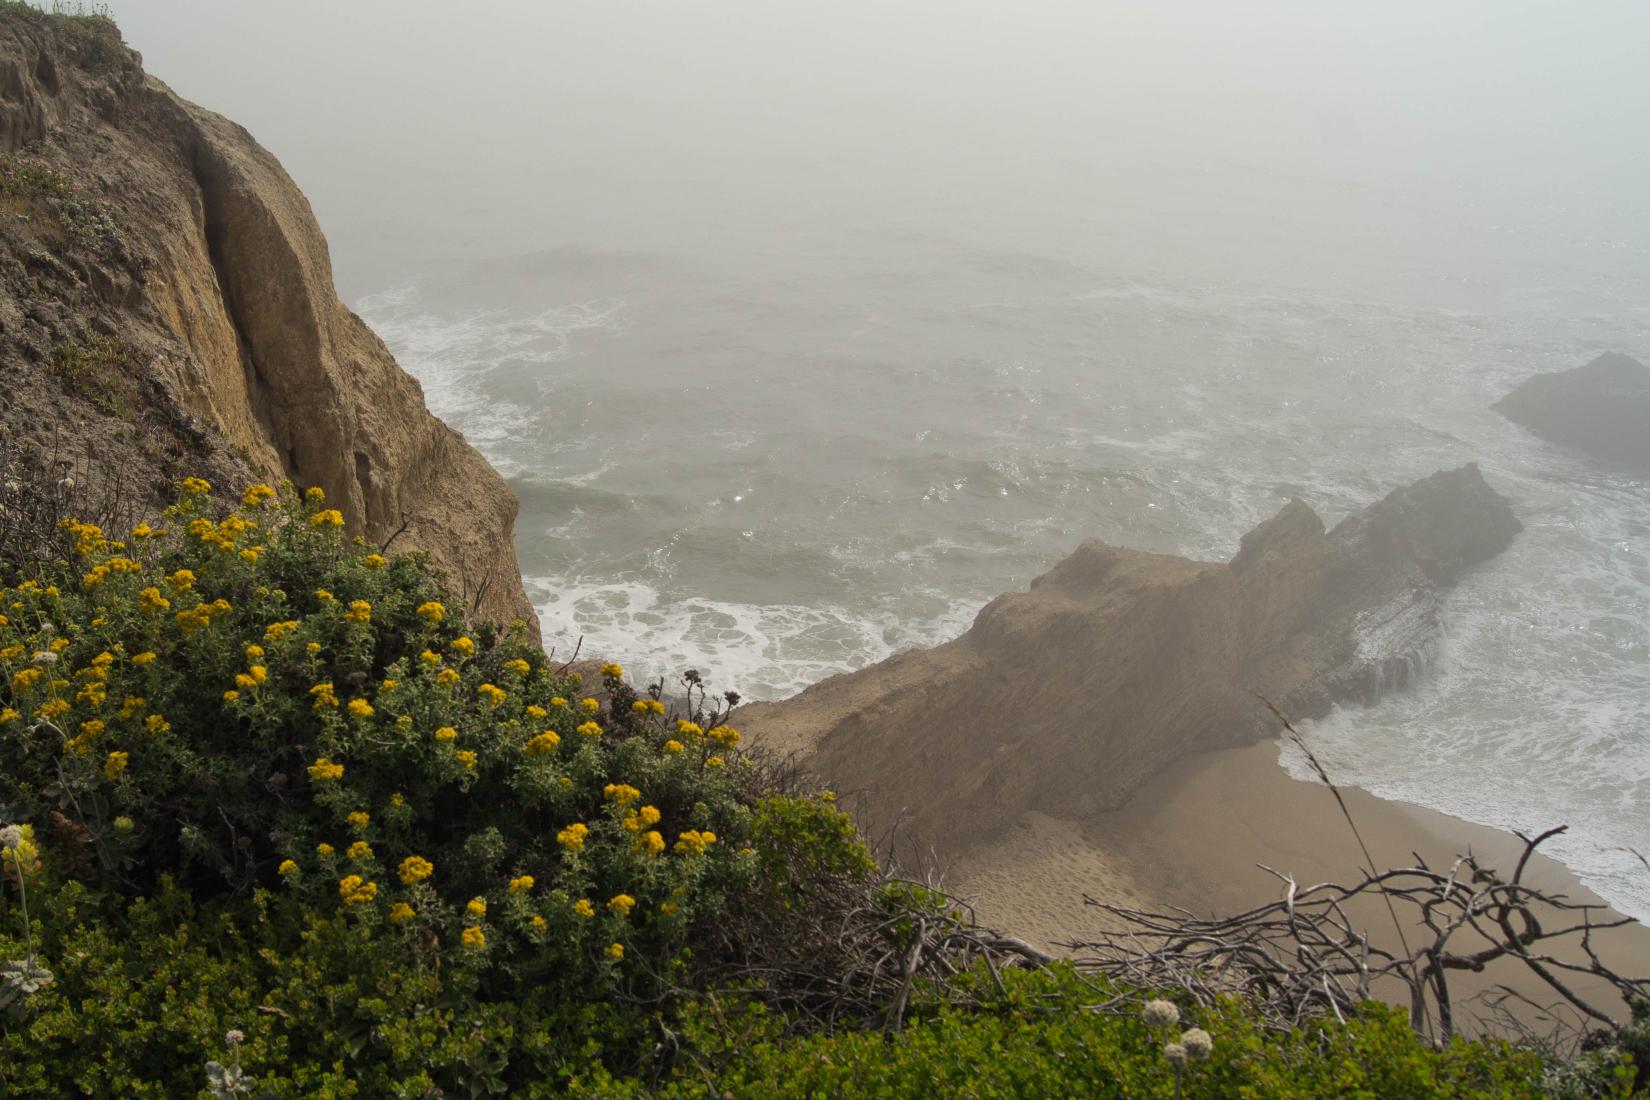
{"x":40,"y":486}
{"x":1309,"y":952}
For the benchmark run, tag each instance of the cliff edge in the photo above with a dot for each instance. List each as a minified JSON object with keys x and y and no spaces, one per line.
{"x":1065,"y":699}
{"x":167,"y":308}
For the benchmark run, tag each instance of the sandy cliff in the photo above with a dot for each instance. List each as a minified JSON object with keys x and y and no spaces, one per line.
{"x":1063,"y":700}
{"x":167,"y":307}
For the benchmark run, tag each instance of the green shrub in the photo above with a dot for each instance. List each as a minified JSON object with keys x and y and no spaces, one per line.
{"x":253,"y":702}
{"x":1040,"y":1037}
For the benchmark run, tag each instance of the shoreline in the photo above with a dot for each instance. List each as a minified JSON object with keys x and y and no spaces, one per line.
{"x":1191,"y":838}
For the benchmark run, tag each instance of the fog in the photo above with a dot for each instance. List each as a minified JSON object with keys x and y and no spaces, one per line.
{"x":1408,"y":148}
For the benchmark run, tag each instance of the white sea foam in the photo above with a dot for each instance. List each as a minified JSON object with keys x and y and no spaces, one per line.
{"x":763,"y":651}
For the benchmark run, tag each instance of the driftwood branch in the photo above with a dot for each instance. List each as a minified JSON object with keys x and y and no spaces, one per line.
{"x":1307,"y":954}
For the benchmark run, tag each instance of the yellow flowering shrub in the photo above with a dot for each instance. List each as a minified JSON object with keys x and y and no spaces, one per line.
{"x":317,"y":721}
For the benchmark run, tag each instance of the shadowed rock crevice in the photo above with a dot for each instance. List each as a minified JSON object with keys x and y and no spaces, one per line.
{"x":1066,"y":698}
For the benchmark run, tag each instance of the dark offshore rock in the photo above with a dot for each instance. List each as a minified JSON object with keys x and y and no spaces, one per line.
{"x":1066,"y":698}
{"x":1602,"y":408}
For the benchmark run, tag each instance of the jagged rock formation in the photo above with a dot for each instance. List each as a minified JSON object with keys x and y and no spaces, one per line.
{"x":1064,"y":699}
{"x":167,"y":307}
{"x":1602,"y":408}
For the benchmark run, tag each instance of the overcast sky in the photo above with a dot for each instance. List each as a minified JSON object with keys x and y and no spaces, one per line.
{"x":427,"y":131}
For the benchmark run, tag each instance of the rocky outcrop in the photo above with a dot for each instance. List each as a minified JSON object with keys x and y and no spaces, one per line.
{"x":1602,"y":408}
{"x":167,"y":307}
{"x":1064,"y":699}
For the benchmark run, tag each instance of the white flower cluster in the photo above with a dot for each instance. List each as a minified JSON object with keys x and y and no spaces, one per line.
{"x":1160,"y":1014}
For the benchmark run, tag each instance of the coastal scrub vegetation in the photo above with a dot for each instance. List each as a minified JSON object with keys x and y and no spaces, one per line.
{"x":276,"y":822}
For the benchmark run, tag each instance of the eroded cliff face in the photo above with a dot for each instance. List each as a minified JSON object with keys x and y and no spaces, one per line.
{"x":1063,"y":700}
{"x":167,"y":307}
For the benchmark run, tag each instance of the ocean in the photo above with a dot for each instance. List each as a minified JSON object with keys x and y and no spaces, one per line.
{"x":777,"y":464}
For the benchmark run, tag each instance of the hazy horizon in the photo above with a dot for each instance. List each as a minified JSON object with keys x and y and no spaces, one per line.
{"x":1408,"y":149}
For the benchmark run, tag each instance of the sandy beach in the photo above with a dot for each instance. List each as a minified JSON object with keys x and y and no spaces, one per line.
{"x":1193,"y":836}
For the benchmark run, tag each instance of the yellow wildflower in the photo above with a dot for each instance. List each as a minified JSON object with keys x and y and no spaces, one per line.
{"x":694,"y":842}
{"x":157,"y":724}
{"x":274,"y":632}
{"x":360,"y":849}
{"x":614,"y":951}
{"x":649,"y":815}
{"x":360,"y":611}
{"x":590,"y":729}
{"x":462,"y":645}
{"x":572,"y":837}
{"x":359,"y":820}
{"x":673,"y":746}
{"x":8,"y":715}
{"x":492,"y":693}
{"x":373,"y":561}
{"x":287,"y":869}
{"x":536,"y":711}
{"x":255,"y":495}
{"x":543,"y":743}
{"x":329,"y":517}
{"x":360,"y":708}
{"x":724,"y":735}
{"x":590,"y":705}
{"x":416,"y":869}
{"x":447,"y":677}
{"x":231,"y":696}
{"x":518,"y":666}
{"x":431,"y":611}
{"x":465,"y":757}
{"x":323,"y":595}
{"x":355,"y":891}
{"x":651,"y":842}
{"x":195,"y":486}
{"x":715,"y":762}
{"x":621,"y":793}
{"x":254,"y":652}
{"x":583,"y":908}
{"x":430,"y":658}
{"x":315,"y":494}
{"x":324,"y":770}
{"x":323,"y":849}
{"x":521,"y":885}
{"x":400,"y":913}
{"x":557,"y":701}
{"x":181,"y":581}
{"x":611,"y":671}
{"x":474,"y":937}
{"x":476,"y":907}
{"x":446,"y":733}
